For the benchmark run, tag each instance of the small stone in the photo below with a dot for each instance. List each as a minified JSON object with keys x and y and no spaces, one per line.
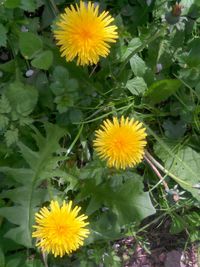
{"x":29,"y":73}
{"x":24,"y":29}
{"x":159,"y":67}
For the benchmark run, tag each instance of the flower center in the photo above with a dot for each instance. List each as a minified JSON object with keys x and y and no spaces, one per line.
{"x":61,"y":230}
{"x":120,"y":143}
{"x":86,"y":34}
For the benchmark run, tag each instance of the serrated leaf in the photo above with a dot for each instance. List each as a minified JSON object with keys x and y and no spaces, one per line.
{"x":18,"y":174}
{"x":43,"y":60}
{"x":128,"y":202}
{"x":22,"y":98}
{"x":3,"y":122}
{"x":138,"y":65}
{"x":27,"y":197}
{"x":29,"y":44}
{"x":25,"y":121}
{"x":3,"y":35}
{"x":184,"y":163}
{"x":4,"y":105}
{"x":136,"y":86}
{"x":11,"y":137}
{"x":19,"y":216}
{"x":161,"y":90}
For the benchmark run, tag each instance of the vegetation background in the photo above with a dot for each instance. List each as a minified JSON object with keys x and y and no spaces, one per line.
{"x":49,"y":110}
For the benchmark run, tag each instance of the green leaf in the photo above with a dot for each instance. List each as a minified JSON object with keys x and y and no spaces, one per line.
{"x":18,"y":174}
{"x":62,"y":83}
{"x":128,"y":202}
{"x":22,"y":98}
{"x":138,"y":65}
{"x":134,"y":44}
{"x":3,"y":122}
{"x":29,"y":44}
{"x":4,"y":105}
{"x":3,"y":35}
{"x":161,"y":90}
{"x":11,"y":137}
{"x":18,"y":216}
{"x":33,"y":263}
{"x":9,"y":66}
{"x":43,"y":60}
{"x":136,"y":86}
{"x":178,"y":224}
{"x":174,"y":130}
{"x":12,"y":3}
{"x":2,"y":258}
{"x":28,"y":5}
{"x":17,"y":262}
{"x":183,"y":163}
{"x":28,"y":196}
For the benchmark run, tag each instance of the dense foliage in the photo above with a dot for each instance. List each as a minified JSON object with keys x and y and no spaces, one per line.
{"x":50,"y":109}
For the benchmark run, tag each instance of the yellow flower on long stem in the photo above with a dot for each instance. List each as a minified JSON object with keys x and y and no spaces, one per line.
{"x":84,"y":33}
{"x":121,"y":142}
{"x":59,"y":229}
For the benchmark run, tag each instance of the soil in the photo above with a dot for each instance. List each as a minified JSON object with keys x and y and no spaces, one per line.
{"x":158,"y":248}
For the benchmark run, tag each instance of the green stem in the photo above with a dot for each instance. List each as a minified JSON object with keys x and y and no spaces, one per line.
{"x":75,"y":140}
{"x":159,"y":166}
{"x":156,"y":171}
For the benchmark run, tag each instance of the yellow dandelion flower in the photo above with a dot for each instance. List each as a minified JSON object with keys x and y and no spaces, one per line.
{"x":121,"y":142}
{"x":84,"y":33}
{"x":60,"y":230}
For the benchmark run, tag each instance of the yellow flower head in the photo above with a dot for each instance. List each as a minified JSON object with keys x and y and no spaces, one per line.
{"x":84,"y":33}
{"x":59,"y":230}
{"x":121,"y":142}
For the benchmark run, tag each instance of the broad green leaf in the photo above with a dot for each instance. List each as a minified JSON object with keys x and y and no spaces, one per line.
{"x":2,"y":258}
{"x":18,"y":174}
{"x":134,"y":44}
{"x":160,"y":90}
{"x":136,"y":86}
{"x":128,"y":202}
{"x":17,"y":262}
{"x":193,"y":58}
{"x":18,"y":215}
{"x":138,"y":65}
{"x":9,"y":66}
{"x":183,"y":163}
{"x":3,"y":35}
{"x":174,"y":130}
{"x":12,"y":3}
{"x":28,"y":196}
{"x":28,"y":5}
{"x":33,"y":263}
{"x":22,"y":98}
{"x":43,"y":60}
{"x":31,"y":157}
{"x":20,"y":195}
{"x":62,"y":82}
{"x":29,"y":44}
